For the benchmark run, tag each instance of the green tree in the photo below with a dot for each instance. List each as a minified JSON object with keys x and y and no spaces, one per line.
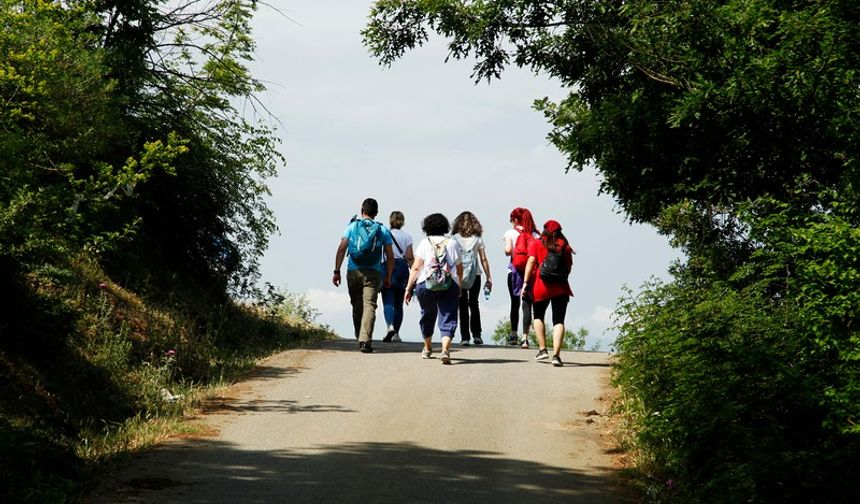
{"x":699,"y":86}
{"x":100,"y":97}
{"x":189,"y":73}
{"x":730,"y":126}
{"x":571,"y":341}
{"x":61,"y":118}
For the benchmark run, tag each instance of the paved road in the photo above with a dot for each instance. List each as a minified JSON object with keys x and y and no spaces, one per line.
{"x":328,"y":424}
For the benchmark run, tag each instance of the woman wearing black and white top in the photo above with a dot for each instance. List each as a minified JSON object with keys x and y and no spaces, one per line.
{"x":467,"y":231}
{"x":392,"y":297}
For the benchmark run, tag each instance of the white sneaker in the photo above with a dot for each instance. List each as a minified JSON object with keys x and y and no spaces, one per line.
{"x":395,"y":338}
{"x":425,"y":354}
{"x":445,"y":358}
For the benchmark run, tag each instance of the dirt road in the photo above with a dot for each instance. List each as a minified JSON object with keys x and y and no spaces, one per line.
{"x":329,"y":424}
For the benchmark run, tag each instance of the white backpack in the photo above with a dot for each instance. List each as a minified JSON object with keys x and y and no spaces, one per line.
{"x":469,"y":258}
{"x":439,"y":277}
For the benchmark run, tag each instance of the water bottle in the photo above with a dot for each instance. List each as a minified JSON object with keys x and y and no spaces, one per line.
{"x":486,"y":293}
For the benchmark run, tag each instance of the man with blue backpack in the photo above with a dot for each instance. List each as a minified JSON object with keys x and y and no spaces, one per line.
{"x":364,"y":240}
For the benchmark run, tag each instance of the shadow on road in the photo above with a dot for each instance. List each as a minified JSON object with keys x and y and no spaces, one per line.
{"x":262,"y":405}
{"x":457,"y":352}
{"x":217,"y":472}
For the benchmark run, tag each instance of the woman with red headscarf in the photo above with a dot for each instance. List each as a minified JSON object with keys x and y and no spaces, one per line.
{"x":549,"y":264}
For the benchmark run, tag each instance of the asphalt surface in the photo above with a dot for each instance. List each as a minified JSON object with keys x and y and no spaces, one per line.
{"x":329,"y":424}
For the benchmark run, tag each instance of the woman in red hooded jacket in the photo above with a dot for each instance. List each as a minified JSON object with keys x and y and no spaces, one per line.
{"x":549,"y":264}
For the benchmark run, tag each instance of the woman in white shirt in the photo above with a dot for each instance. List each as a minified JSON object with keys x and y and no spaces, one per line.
{"x":435,"y":277}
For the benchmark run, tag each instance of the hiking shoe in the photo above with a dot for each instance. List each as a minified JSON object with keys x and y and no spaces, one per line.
{"x":525,"y":343}
{"x":446,"y":357}
{"x":465,"y":342}
{"x":478,"y":340}
{"x":542,"y":354}
{"x":556,"y":361}
{"x":425,"y":354}
{"x":395,"y":338}
{"x":388,"y":337}
{"x":365,"y":347}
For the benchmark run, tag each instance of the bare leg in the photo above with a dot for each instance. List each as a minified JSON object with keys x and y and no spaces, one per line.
{"x":557,"y":337}
{"x":446,"y":343}
{"x":540,"y":333}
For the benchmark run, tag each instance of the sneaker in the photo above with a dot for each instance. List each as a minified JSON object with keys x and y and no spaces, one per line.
{"x":388,"y":337}
{"x":465,"y":342}
{"x":556,"y":361}
{"x":365,"y":347}
{"x":425,"y":354}
{"x":395,"y":338}
{"x":513,"y":341}
{"x":542,"y":354}
{"x":446,"y":357}
{"x":478,"y":340}
{"x":525,"y":343}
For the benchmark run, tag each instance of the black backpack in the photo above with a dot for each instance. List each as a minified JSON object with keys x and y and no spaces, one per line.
{"x":553,"y":269}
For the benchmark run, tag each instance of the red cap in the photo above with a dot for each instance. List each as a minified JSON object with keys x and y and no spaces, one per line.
{"x":552,"y":226}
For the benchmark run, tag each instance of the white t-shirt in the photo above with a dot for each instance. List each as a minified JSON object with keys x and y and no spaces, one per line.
{"x":403,"y":239}
{"x":512,"y":234}
{"x":427,"y":250}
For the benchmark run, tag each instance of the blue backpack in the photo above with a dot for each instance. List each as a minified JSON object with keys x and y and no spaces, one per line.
{"x":365,"y":247}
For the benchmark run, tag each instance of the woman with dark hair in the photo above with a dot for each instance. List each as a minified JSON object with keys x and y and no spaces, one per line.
{"x":392,"y":297}
{"x":549,"y":264}
{"x":467,"y":232}
{"x":436,"y":267}
{"x":517,"y":239}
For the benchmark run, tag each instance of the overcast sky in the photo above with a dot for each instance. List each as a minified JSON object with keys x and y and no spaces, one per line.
{"x":421,"y":137}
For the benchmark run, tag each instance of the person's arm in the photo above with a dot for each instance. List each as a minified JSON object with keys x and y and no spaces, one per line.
{"x":409,"y":255}
{"x":459,"y":274}
{"x":509,"y":245}
{"x":413,"y":276}
{"x":530,"y":267}
{"x":389,"y":266}
{"x":485,"y":264}
{"x":338,"y":260}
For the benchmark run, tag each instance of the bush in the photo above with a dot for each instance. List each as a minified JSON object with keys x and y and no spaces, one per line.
{"x":748,"y":389}
{"x":572,"y":340}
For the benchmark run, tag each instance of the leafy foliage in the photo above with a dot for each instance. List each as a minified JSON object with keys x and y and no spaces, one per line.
{"x":131,"y":219}
{"x":732,"y":128}
{"x":748,"y":388}
{"x":571,"y":341}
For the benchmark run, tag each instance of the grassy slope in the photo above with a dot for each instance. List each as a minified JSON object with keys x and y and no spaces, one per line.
{"x":86,"y":367}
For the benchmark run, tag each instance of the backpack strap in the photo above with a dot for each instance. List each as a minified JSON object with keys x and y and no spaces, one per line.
{"x":396,"y":244}
{"x":437,"y":246}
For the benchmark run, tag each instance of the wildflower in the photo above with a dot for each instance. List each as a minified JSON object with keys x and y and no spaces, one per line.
{"x":102,"y":286}
{"x":170,"y":353}
{"x":670,"y":483}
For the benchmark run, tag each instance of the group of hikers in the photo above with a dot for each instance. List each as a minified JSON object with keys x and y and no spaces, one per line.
{"x":444,"y":273}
